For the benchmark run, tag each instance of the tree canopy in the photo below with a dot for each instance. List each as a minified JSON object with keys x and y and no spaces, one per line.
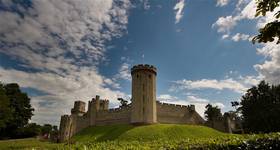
{"x":272,"y":29}
{"x":212,"y":113}
{"x":5,"y":110}
{"x":16,"y":110}
{"x":260,"y":108}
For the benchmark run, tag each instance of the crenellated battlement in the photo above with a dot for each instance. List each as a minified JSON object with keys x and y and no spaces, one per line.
{"x":142,"y":67}
{"x":65,"y":117}
{"x":176,"y":106}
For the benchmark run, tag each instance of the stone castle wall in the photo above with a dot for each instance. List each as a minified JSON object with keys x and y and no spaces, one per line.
{"x":65,"y":128}
{"x":177,"y":114}
{"x":114,"y":116}
{"x":81,"y":123}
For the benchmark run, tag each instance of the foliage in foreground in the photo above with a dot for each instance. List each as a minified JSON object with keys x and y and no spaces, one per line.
{"x":15,"y":111}
{"x":271,"y":31}
{"x":247,"y":142}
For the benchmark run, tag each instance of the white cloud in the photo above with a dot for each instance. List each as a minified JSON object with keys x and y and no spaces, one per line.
{"x":220,"y":105}
{"x":52,"y":26}
{"x":229,"y":84}
{"x":225,"y":24}
{"x":248,"y":12}
{"x":270,"y":69}
{"x":61,"y":91}
{"x":237,"y":84}
{"x":63,"y":42}
{"x":245,"y":9}
{"x":270,"y":16}
{"x":194,"y":99}
{"x":239,"y":36}
{"x":225,"y":36}
{"x":124,"y":72}
{"x":222,"y":2}
{"x":179,"y":10}
{"x":165,"y":97}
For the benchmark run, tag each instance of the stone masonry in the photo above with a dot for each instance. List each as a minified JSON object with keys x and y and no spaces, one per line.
{"x":144,"y":109}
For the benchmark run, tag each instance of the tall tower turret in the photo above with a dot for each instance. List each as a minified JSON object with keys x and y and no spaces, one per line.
{"x":79,"y":108}
{"x":143,"y":94}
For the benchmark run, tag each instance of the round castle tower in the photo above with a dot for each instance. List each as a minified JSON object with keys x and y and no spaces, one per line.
{"x":143,"y":94}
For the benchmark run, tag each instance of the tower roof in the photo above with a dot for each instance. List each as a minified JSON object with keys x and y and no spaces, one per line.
{"x":143,"y":67}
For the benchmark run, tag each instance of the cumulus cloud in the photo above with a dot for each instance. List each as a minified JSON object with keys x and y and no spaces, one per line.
{"x":225,"y":36}
{"x":124,"y":72}
{"x":219,"y":105}
{"x":239,"y":36}
{"x":248,"y":12}
{"x":164,"y":97}
{"x":270,"y":69}
{"x":209,"y":84}
{"x":225,"y":24}
{"x":222,"y":2}
{"x":49,"y":27}
{"x":239,"y":85}
{"x":245,"y":9}
{"x":59,"y":45}
{"x":179,"y":10}
{"x":270,"y":16}
{"x":61,"y":91}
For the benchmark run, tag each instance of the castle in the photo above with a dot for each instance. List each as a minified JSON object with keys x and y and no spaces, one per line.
{"x":144,"y":109}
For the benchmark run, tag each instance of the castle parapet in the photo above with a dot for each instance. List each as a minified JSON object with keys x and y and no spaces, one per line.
{"x":191,"y":107}
{"x":144,"y":67}
{"x":176,"y":106}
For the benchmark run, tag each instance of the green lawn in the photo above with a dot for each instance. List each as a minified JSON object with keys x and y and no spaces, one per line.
{"x":27,"y":144}
{"x":159,"y":136}
{"x":146,"y":133}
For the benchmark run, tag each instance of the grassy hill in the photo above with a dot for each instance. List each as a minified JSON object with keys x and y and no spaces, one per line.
{"x":159,"y":136}
{"x":146,"y":133}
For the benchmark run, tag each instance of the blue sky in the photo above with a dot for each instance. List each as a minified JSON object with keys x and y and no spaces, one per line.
{"x":62,"y":51}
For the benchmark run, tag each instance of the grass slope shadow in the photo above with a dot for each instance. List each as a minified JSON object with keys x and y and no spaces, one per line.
{"x":102,"y":133}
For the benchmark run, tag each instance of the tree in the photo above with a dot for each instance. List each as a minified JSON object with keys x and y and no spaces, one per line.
{"x":260,"y":108}
{"x":212,"y":113}
{"x":5,"y":110}
{"x":30,"y":130}
{"x":46,"y":129}
{"x":271,"y":29}
{"x":21,"y":110}
{"x":123,"y":102}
